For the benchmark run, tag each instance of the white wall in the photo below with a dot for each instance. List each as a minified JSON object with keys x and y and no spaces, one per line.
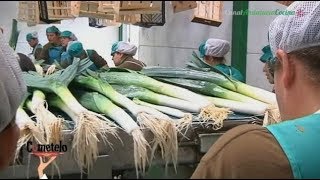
{"x":257,"y":39}
{"x":8,"y":11}
{"x":99,"y":39}
{"x":173,"y":43}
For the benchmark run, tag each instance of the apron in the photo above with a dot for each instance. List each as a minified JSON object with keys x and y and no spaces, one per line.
{"x":300,"y":141}
{"x":55,"y":54}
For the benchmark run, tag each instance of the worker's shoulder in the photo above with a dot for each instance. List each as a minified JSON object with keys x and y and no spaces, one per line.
{"x":242,"y":141}
{"x":91,"y":50}
{"x":133,"y":60}
{"x":246,"y":151}
{"x":47,"y":46}
{"x":39,"y":46}
{"x":132,"y":64}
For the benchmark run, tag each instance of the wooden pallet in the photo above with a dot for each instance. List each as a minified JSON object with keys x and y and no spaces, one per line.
{"x":29,"y":12}
{"x":149,"y":20}
{"x":57,"y":10}
{"x":179,"y":6}
{"x":286,"y":3}
{"x":99,"y":23}
{"x":128,"y":19}
{"x":107,"y":22}
{"x":92,"y":9}
{"x":107,"y":6}
{"x":208,"y":12}
{"x":137,"y":7}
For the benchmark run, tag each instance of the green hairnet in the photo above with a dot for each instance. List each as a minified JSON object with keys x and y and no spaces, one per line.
{"x":114,"y":48}
{"x":52,"y":29}
{"x":66,"y":34}
{"x":202,"y":49}
{"x":267,"y":54}
{"x":75,"y":48}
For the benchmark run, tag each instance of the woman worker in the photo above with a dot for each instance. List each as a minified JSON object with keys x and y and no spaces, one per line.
{"x":213,"y":51}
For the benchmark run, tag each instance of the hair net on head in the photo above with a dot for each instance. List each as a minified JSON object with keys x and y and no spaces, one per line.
{"x":298,"y":31}
{"x":33,"y":35}
{"x":123,"y":47}
{"x":12,"y":86}
{"x":52,"y":29}
{"x":267,"y":54}
{"x":214,"y":47}
{"x":69,"y":34}
{"x":74,"y":48}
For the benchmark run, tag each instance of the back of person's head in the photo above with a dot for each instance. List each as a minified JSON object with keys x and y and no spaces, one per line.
{"x":12,"y":91}
{"x":124,"y":48}
{"x":25,"y":63}
{"x":298,"y":36}
{"x":75,"y":48}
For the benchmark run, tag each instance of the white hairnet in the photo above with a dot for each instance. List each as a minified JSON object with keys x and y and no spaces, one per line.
{"x":12,"y":86}
{"x":297,"y":31}
{"x":126,"y":48}
{"x":216,"y":47}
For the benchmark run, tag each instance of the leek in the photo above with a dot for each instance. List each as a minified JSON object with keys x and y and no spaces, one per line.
{"x":28,"y":129}
{"x":149,"y":118}
{"x":164,"y":109}
{"x":183,"y":123}
{"x":219,"y":79}
{"x":88,"y":125}
{"x":49,"y":124}
{"x":208,"y":111}
{"x":210,"y":89}
{"x":101,"y":104}
{"x":155,"y":98}
{"x":240,"y":107}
